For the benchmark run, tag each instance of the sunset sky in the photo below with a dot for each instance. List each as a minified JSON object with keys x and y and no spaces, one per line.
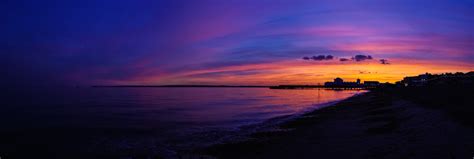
{"x":235,"y":42}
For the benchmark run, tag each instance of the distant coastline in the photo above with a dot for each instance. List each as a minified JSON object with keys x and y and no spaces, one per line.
{"x":228,"y":86}
{"x":211,"y":86}
{"x":338,"y":84}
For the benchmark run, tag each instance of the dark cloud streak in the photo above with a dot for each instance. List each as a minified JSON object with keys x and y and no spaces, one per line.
{"x":384,"y":61}
{"x":359,"y":58}
{"x":319,"y":58}
{"x":343,"y":59}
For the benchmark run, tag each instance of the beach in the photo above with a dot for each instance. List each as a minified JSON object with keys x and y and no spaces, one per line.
{"x":383,"y":123}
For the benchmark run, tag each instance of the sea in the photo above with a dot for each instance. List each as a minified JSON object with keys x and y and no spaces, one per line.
{"x":149,"y":121}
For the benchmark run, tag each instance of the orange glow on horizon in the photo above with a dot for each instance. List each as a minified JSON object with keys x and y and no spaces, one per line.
{"x":307,"y":72}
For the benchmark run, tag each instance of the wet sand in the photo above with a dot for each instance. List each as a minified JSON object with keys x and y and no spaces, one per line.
{"x":378,"y":124}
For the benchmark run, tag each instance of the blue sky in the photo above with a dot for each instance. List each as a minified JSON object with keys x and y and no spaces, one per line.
{"x":230,"y":42}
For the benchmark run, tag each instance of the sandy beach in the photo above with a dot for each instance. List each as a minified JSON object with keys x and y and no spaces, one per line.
{"x":378,"y":124}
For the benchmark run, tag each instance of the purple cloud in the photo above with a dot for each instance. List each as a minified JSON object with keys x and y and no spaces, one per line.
{"x":319,"y":57}
{"x":343,"y":59}
{"x":384,"y":61}
{"x":362,"y":57}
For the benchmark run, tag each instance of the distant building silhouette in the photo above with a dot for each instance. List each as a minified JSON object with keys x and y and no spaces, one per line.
{"x":419,"y":80}
{"x":426,"y":79}
{"x":339,"y":82}
{"x":371,"y":83}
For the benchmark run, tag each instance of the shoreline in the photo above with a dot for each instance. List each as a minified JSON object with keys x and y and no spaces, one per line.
{"x":362,"y":126}
{"x":246,"y":132}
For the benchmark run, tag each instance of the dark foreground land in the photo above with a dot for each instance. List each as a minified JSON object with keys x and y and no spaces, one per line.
{"x":422,"y":122}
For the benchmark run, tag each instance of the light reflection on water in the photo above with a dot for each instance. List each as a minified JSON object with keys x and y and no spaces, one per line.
{"x":178,"y":108}
{"x":204,"y":107}
{"x":168,"y":113}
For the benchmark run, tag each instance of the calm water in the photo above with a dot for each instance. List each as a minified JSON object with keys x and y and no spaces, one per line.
{"x":162,"y":114}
